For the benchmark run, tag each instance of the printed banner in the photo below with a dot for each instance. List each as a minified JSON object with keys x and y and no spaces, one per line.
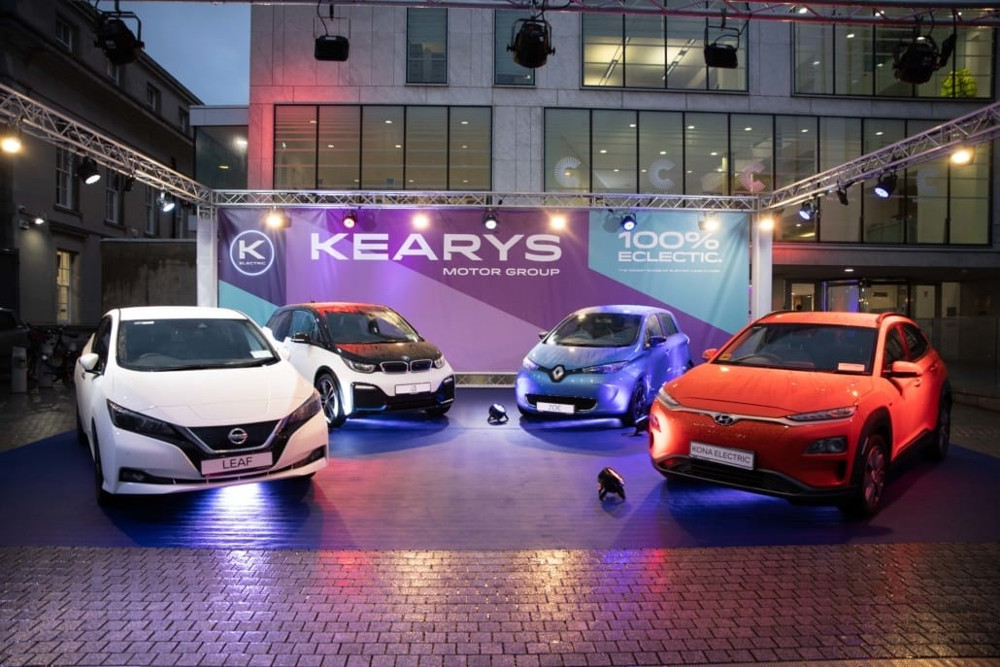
{"x":484,"y":296}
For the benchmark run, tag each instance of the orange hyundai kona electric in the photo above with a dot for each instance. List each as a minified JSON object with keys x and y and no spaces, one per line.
{"x":809,"y":406}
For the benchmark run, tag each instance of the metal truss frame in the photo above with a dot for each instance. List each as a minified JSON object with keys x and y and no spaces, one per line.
{"x":974,"y":128}
{"x":61,"y":130}
{"x":856,"y":12}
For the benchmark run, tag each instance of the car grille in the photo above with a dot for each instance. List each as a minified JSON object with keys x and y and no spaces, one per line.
{"x":216,"y":438}
{"x":415,"y":366}
{"x":763,"y":481}
{"x":579,"y":403}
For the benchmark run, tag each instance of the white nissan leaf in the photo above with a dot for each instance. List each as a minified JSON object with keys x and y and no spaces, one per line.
{"x":183,"y":398}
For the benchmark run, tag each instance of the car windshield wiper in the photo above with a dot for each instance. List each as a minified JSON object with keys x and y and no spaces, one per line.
{"x":250,"y":363}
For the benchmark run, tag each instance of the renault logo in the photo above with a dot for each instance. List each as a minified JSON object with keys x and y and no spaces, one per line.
{"x":724,"y":420}
{"x":238,"y":436}
{"x":558,"y":373}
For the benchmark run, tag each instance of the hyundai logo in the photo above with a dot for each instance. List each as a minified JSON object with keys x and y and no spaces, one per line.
{"x":238,"y":436}
{"x":724,"y":420}
{"x":558,"y":373}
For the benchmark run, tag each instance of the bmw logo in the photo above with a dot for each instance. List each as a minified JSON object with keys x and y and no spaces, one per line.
{"x":238,"y":436}
{"x":558,"y":373}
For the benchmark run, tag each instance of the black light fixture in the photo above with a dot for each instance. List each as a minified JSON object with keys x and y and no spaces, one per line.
{"x":842,"y":194}
{"x":165,"y":202}
{"x":628,"y":222}
{"x":490,"y":219}
{"x":885,"y":185}
{"x":609,"y":481}
{"x":914,"y":61}
{"x":330,"y":47}
{"x":532,"y":42}
{"x":116,"y":39}
{"x":87,"y":171}
{"x":349,"y":220}
{"x":807,"y":211}
{"x":721,"y":51}
{"x":10,"y":139}
{"x":498,"y":414}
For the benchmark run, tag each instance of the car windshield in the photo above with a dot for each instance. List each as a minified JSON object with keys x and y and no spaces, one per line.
{"x":811,"y":347}
{"x":376,"y":326}
{"x":186,"y":344}
{"x":596,"y":330}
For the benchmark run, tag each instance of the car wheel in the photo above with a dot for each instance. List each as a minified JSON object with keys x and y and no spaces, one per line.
{"x":329,"y":395}
{"x":439,"y":411}
{"x":938,"y":449}
{"x":636,"y":404}
{"x":104,"y":499}
{"x":870,"y":476}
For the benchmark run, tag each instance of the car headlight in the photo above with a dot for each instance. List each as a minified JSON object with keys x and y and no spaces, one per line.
{"x":303,"y":413}
{"x":664,"y":397}
{"x":529,"y":365}
{"x":440,"y":362}
{"x":605,"y":368}
{"x":136,"y":422}
{"x":360,"y":366}
{"x":825,"y":415}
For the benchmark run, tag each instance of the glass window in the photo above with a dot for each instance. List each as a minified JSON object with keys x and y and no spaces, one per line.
{"x":221,"y":156}
{"x":603,"y":50}
{"x":614,"y":151}
{"x":567,"y":150}
{"x":153,"y":97}
{"x":183,"y":120}
{"x":752,"y":144}
{"x":152,"y":212}
{"x":661,"y":152}
{"x":113,"y":199}
{"x":884,"y":219}
{"x":645,"y":51}
{"x":471,"y":141}
{"x":839,"y":143}
{"x":853,"y":70}
{"x":969,"y":193}
{"x":114,"y":72}
{"x":426,"y":45}
{"x":339,"y":148}
{"x":685,"y":55}
{"x":506,"y":72}
{"x":66,"y":34}
{"x":66,"y":286}
{"x":426,"y":148}
{"x":814,"y":64}
{"x":705,"y":153}
{"x":926,"y":196}
{"x":295,"y":147}
{"x":382,"y":148}
{"x":66,"y":184}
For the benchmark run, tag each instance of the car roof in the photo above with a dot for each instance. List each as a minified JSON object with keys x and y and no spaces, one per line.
{"x":620,"y":308}
{"x":870,"y":320}
{"x":339,"y":306}
{"x":178,"y":313}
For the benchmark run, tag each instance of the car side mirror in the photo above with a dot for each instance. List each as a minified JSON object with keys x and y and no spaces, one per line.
{"x":89,"y":361}
{"x":301,"y":337}
{"x":709,"y":353}
{"x":657,"y":340}
{"x":904,"y":369}
{"x":542,"y":334}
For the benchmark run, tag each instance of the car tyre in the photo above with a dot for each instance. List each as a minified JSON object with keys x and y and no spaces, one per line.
{"x":870,"y":477}
{"x":329,"y":395}
{"x":636,"y":405}
{"x":104,"y":499}
{"x":938,"y":448}
{"x":439,"y":411}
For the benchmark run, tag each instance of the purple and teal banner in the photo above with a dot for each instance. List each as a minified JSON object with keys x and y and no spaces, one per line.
{"x":483,"y":296}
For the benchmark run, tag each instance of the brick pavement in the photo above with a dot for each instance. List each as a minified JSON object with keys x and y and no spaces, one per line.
{"x":866,"y":604}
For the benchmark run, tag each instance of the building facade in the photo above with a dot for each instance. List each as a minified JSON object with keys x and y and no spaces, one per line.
{"x":431,"y":99}
{"x":52,"y":221}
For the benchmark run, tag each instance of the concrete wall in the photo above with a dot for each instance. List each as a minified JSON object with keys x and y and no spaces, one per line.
{"x":147,"y":272}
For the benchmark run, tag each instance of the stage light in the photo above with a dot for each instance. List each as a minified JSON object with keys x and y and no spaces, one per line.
{"x":87,"y":171}
{"x":498,"y":414}
{"x":609,"y":481}
{"x":721,"y":52}
{"x":421,"y":221}
{"x":330,"y":47}
{"x":916,"y":60}
{"x":842,"y":195}
{"x":165,"y":203}
{"x":532,"y":42}
{"x":885,"y":185}
{"x":490,"y":220}
{"x":350,"y":220}
{"x":766,"y":224}
{"x":10,"y":139}
{"x":557,"y":221}
{"x":962,"y":156}
{"x":708,"y":223}
{"x":627,"y":222}
{"x":116,"y":39}
{"x":277,"y":220}
{"x":807,"y":210}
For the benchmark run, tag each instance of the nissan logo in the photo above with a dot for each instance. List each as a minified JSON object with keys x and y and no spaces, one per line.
{"x":724,"y":420}
{"x":238,"y":436}
{"x":558,"y":373}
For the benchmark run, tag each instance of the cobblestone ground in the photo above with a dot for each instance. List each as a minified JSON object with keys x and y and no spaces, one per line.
{"x":648,"y":607}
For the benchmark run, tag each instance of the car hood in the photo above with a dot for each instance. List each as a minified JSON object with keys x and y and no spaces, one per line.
{"x":379,"y":352}
{"x":767,"y":392}
{"x":212,"y":396}
{"x":573,"y":357}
